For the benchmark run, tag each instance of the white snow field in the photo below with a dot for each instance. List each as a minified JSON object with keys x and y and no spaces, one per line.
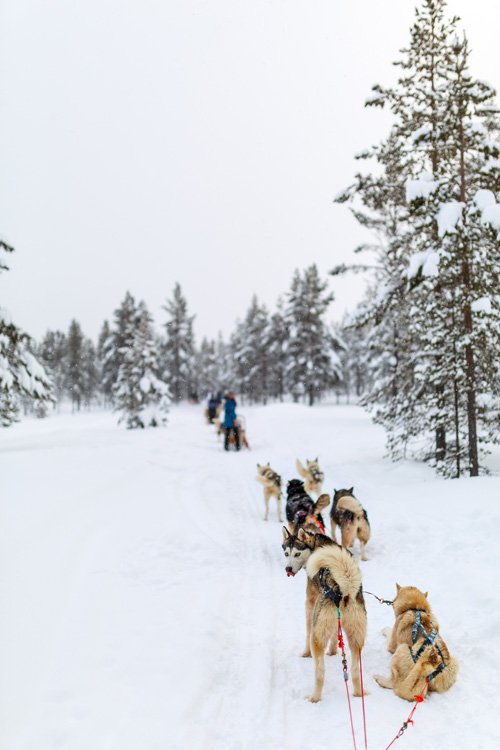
{"x":145,"y":603}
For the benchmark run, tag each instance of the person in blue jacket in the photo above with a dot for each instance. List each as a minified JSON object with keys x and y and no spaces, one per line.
{"x":230,"y":421}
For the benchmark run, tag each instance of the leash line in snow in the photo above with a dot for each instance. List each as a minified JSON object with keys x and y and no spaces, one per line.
{"x":340,"y":638}
{"x":363,"y":699}
{"x":382,"y":601}
{"x":418,"y":699}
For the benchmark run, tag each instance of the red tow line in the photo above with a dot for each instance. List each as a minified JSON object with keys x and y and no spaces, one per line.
{"x":418,"y":699}
{"x":340,"y":637}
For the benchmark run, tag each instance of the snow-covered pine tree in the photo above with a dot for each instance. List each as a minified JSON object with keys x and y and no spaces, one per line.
{"x":445,"y":148}
{"x":207,"y":369}
{"x":277,"y":341}
{"x":382,"y":318}
{"x":22,"y":378}
{"x":74,"y":383}
{"x":105,"y":363}
{"x":178,"y":351}
{"x":139,"y":394}
{"x":225,"y":363}
{"x":352,"y":358}
{"x":90,"y":371}
{"x":313,"y":365}
{"x":51,"y":352}
{"x":251,"y":354}
{"x":113,"y":346}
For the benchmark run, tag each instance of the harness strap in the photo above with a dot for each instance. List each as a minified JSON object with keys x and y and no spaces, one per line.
{"x":429,"y":640}
{"x":334,"y":594}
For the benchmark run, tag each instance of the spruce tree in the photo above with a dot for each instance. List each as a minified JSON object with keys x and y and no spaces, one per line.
{"x":139,"y":394}
{"x":207,"y":369}
{"x":75,"y":379}
{"x":251,"y":354}
{"x":313,"y":365}
{"x":90,"y":372}
{"x":440,"y":257}
{"x":22,"y":378}
{"x":178,"y":352}
{"x":277,"y":342}
{"x":52,"y":354}
{"x":105,"y":363}
{"x":113,"y":345}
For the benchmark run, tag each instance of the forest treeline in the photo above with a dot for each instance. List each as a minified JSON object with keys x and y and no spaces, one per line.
{"x":421,"y":351}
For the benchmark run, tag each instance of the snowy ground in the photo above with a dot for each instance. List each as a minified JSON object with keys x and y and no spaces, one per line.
{"x":145,"y":603}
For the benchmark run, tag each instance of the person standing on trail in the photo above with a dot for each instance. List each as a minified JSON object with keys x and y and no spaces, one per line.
{"x":230,"y":421}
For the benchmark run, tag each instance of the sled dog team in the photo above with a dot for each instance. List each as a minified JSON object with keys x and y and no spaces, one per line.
{"x":334,"y":584}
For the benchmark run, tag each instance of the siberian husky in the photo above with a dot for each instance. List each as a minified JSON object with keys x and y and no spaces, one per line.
{"x":338,"y":578}
{"x":347,"y":513}
{"x":297,"y":549}
{"x":312,"y":474}
{"x":420,"y":654}
{"x":271,"y":481}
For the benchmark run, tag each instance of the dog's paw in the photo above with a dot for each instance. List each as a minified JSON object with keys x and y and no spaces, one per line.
{"x":384,"y":682}
{"x":306,"y":654}
{"x":313,"y":698}
{"x":387,"y":632}
{"x":359,"y":694}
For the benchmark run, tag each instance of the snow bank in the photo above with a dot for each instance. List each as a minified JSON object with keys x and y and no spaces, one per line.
{"x":145,"y":604}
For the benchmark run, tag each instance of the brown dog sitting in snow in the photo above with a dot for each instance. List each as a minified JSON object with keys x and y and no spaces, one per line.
{"x":420,"y":655}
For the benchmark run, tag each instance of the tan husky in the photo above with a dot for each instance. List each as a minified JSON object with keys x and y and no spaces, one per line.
{"x":352,"y":518}
{"x":339,"y":582}
{"x":312,"y":475}
{"x":420,"y":653}
{"x":271,"y":481}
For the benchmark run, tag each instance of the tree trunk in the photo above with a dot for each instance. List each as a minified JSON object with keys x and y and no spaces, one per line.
{"x":469,"y":352}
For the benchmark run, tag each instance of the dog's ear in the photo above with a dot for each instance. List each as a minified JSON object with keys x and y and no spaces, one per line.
{"x":286,"y":534}
{"x":316,"y":459}
{"x":258,"y":466}
{"x":351,"y":490}
{"x":398,"y":588}
{"x":302,"y":535}
{"x":426,"y":593}
{"x":269,"y":463}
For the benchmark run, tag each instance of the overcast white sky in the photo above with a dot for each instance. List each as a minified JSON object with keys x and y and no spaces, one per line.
{"x":145,"y":142}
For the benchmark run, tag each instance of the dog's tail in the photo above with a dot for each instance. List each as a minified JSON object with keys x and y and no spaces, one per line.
{"x":321,"y":503}
{"x":341,"y":566}
{"x":300,"y":469}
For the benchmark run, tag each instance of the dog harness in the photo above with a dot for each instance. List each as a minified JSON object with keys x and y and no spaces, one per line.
{"x":274,"y":477}
{"x":334,"y":594}
{"x":429,"y":640}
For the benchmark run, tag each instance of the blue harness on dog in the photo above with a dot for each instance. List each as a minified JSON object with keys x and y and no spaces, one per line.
{"x":334,"y":594}
{"x":429,"y":640}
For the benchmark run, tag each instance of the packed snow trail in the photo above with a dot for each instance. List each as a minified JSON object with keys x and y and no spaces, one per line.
{"x":145,"y":604}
